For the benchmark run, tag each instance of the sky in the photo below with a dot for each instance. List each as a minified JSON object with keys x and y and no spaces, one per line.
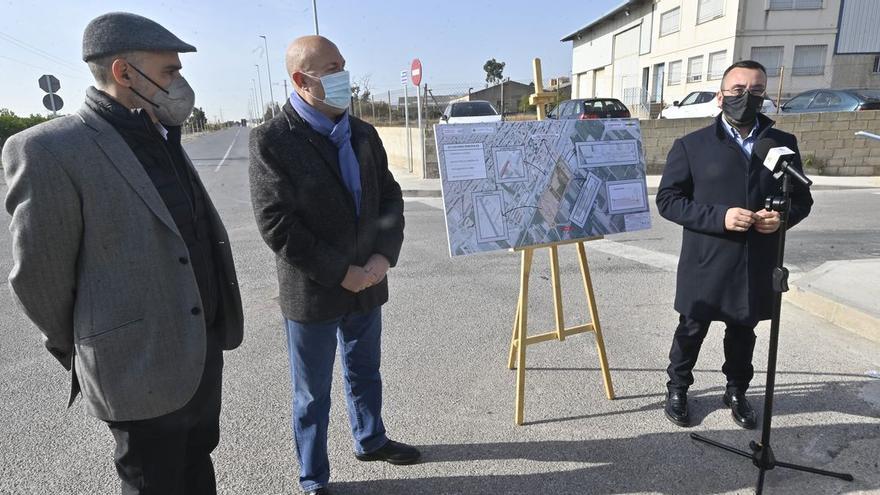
{"x":452,"y":38}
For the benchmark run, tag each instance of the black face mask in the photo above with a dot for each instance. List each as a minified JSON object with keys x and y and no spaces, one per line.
{"x":741,"y":110}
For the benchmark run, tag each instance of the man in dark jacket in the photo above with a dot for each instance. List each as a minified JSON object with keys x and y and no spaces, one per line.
{"x":714,"y":187}
{"x":327,"y":205}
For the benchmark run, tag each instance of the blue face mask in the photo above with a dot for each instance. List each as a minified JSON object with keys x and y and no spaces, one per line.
{"x":337,"y":89}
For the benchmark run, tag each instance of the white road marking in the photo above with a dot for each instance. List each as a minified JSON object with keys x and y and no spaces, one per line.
{"x":228,"y":151}
{"x":663,"y":261}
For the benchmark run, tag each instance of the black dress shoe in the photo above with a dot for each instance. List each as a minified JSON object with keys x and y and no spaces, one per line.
{"x":393,"y":453}
{"x":676,"y":408}
{"x":320,"y":491}
{"x":741,"y":410}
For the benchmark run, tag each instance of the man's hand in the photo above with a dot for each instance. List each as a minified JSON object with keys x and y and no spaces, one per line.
{"x":356,"y":279}
{"x":739,"y":219}
{"x":768,"y":221}
{"x":377,"y":267}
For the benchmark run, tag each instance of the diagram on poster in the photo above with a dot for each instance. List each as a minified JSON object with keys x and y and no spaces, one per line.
{"x":518,"y":184}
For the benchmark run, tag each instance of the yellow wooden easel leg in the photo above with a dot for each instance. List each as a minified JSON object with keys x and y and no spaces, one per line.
{"x":557,"y":293}
{"x":594,"y":315}
{"x":522,"y":320}
{"x":511,"y":358}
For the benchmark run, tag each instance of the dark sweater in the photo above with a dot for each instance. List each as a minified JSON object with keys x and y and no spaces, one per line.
{"x":164,"y":162}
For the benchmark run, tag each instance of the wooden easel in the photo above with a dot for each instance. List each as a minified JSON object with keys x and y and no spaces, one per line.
{"x":520,"y":338}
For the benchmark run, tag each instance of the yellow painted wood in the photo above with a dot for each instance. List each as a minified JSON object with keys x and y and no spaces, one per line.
{"x":558,"y":243}
{"x":511,"y":358}
{"x":557,"y":293}
{"x":521,"y":336}
{"x":594,"y":315}
{"x":554,"y":335}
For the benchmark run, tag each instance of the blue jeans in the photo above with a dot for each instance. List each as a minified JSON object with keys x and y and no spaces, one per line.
{"x":311,"y":350}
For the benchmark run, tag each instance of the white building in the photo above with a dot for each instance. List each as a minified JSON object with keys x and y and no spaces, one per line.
{"x":658,"y":51}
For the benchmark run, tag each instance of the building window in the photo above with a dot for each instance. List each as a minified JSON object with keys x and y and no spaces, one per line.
{"x":876,"y":69}
{"x":717,"y":64}
{"x":695,"y":69}
{"x":770,"y":57}
{"x":794,"y":4}
{"x":674,"y":76}
{"x":709,"y":9}
{"x":669,"y":21}
{"x":809,"y":60}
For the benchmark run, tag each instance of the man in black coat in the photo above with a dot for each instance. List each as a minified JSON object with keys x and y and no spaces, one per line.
{"x":714,"y":187}
{"x":327,"y":205}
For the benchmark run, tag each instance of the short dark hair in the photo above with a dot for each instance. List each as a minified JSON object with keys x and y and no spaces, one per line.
{"x":745,"y":64}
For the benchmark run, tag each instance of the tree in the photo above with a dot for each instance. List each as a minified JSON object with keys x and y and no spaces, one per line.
{"x":197,"y":121}
{"x":493,"y":70}
{"x":11,"y":124}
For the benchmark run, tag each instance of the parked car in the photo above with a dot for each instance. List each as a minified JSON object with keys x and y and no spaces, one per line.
{"x":703,"y":104}
{"x":833,"y":100}
{"x":469,"y":112}
{"x":590,"y":108}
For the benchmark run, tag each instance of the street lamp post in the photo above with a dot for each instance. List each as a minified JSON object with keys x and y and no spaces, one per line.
{"x":254,"y":89}
{"x":269,"y":73}
{"x":315,"y":12}
{"x":260,"y":84}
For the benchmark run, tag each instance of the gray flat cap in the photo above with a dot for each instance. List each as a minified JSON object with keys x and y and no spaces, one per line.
{"x":119,"y":32}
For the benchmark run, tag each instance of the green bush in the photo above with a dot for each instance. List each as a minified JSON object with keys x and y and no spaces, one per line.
{"x":11,"y":124}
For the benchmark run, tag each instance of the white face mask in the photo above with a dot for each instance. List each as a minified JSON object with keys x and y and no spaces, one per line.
{"x":173,"y":105}
{"x":337,"y":89}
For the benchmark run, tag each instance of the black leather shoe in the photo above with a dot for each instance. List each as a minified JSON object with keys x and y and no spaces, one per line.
{"x":393,"y":453}
{"x":320,"y":491}
{"x":741,"y":410}
{"x":676,"y":408}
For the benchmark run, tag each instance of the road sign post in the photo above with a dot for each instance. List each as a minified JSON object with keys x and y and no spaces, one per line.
{"x":404,"y":76}
{"x":416,"y":73}
{"x":50,"y":84}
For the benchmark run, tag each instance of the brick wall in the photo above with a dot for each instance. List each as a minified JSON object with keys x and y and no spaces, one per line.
{"x":827,"y":141}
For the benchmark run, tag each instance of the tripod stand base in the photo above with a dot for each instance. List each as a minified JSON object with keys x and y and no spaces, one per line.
{"x":762,"y":457}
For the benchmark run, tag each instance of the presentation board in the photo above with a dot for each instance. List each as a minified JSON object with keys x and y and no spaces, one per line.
{"x":520,"y":184}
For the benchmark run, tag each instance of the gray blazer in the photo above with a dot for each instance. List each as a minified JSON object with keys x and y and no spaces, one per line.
{"x":97,"y":268}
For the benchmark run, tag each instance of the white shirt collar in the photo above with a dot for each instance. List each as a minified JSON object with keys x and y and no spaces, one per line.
{"x":162,"y":130}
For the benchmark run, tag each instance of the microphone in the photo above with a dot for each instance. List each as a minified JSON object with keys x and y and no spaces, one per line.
{"x":779,"y":160}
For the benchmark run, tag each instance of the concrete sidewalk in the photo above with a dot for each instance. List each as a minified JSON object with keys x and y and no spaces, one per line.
{"x":844,"y":293}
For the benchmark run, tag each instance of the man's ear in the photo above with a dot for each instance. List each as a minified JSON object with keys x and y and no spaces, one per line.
{"x":121,"y":72}
{"x":299,"y":79}
{"x":719,"y":98}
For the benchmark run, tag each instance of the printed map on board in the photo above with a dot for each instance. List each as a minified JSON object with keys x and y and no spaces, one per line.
{"x":518,"y":184}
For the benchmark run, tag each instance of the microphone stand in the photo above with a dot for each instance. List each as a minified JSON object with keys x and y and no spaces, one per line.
{"x":761,"y":453}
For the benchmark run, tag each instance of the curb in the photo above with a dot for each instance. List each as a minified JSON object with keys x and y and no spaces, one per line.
{"x":844,"y":316}
{"x":421,"y":193}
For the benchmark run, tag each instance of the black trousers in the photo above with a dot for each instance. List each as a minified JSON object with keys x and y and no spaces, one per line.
{"x":171,"y":454}
{"x":739,"y":345}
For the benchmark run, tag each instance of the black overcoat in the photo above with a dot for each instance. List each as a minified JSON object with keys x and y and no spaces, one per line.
{"x":722,"y":275}
{"x":307,"y":215}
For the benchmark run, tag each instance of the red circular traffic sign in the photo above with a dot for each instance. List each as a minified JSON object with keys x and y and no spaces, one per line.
{"x":416,"y":72}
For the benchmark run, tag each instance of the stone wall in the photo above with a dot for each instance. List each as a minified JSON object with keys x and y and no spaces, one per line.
{"x":827,"y":142}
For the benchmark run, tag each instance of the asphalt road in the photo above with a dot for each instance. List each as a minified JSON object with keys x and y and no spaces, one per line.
{"x":447,"y":388}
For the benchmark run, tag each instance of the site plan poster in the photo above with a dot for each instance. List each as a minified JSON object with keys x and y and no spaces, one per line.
{"x":520,"y":184}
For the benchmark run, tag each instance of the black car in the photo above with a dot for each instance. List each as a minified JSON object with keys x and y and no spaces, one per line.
{"x":833,"y":100}
{"x":590,"y":108}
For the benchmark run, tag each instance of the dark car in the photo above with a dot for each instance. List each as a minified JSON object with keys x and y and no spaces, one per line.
{"x":833,"y":100}
{"x":590,"y":108}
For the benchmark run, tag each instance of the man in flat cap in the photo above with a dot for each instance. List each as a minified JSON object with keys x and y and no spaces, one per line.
{"x":329,"y":208}
{"x":122,"y":262}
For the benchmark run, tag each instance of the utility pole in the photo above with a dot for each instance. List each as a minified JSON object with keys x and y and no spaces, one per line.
{"x":254,"y":89}
{"x":260,"y":81}
{"x":269,"y":73}
{"x":315,"y":12}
